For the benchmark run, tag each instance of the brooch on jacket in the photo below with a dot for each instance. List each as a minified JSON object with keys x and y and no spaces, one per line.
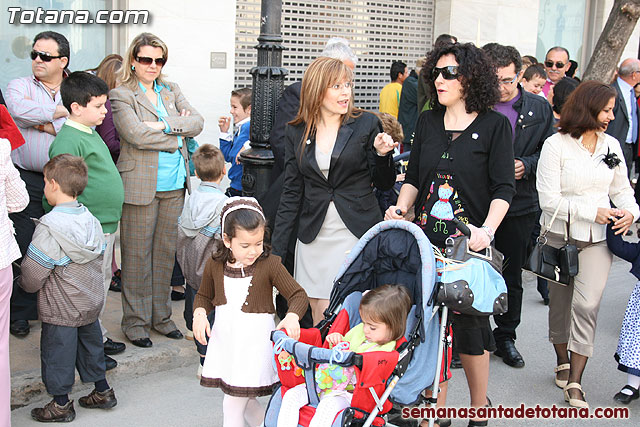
{"x":611,"y":159}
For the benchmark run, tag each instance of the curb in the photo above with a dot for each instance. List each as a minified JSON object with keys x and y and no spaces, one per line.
{"x":27,"y":386}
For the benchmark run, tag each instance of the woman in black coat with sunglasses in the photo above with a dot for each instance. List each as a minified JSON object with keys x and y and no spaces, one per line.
{"x":461,"y":166}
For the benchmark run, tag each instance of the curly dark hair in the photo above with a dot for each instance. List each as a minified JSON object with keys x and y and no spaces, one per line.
{"x":480,"y":88}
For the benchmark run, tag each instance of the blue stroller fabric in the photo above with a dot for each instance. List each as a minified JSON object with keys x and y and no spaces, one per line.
{"x":473,"y":287}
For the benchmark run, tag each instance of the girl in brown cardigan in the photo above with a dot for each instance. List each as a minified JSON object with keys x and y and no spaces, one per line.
{"x":238,"y":280}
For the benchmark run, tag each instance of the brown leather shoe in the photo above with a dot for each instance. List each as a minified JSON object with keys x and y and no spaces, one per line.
{"x":96,"y":399}
{"x":54,"y":413}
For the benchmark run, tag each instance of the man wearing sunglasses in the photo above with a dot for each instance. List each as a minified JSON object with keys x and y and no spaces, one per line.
{"x":556,"y":63}
{"x":625,"y":125}
{"x":35,"y":104}
{"x":531,"y":120}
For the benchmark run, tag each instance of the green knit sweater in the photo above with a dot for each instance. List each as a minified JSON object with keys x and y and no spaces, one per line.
{"x":104,"y":194}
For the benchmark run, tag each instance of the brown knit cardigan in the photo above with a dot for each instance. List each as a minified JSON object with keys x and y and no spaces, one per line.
{"x":267,"y":273}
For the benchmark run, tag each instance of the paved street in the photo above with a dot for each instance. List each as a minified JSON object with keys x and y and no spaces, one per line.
{"x":174,"y":397}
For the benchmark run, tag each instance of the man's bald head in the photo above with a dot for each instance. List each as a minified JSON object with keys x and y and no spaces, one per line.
{"x":338,"y":48}
{"x":629,"y":71}
{"x":628,"y":66}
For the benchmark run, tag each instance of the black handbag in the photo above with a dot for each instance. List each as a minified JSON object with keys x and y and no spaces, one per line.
{"x":458,"y":249}
{"x":556,"y":264}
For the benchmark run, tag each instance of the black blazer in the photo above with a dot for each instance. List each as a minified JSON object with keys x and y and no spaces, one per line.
{"x":533,"y":126}
{"x":287,"y":109}
{"x":619,"y":127}
{"x":408,"y":107}
{"x":354,"y":170}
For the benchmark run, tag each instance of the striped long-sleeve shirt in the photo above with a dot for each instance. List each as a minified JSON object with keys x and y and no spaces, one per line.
{"x":31,"y":104}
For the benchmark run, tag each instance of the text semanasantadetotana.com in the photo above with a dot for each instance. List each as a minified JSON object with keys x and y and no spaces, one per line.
{"x":18,"y":15}
{"x":519,"y":412}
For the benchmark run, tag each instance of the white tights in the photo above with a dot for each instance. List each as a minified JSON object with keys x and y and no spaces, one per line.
{"x":235,"y":410}
{"x":296,"y":397}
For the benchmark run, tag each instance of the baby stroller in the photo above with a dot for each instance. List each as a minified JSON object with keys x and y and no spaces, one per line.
{"x":394,"y":252}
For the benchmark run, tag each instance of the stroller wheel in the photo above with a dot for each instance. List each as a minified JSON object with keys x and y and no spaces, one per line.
{"x":394,"y":419}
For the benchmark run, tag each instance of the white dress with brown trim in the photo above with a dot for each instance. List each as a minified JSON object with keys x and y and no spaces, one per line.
{"x":239,"y":354}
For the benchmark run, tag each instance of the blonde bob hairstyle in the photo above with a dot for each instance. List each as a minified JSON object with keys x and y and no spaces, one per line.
{"x":318,"y":78}
{"x":127,"y":75}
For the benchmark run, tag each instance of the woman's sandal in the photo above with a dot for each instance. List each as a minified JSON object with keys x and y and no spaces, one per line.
{"x":564,"y":367}
{"x":473,"y":423}
{"x":576,"y":403}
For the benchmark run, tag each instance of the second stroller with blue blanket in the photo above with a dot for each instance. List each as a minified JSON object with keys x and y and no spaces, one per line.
{"x":392,"y":252}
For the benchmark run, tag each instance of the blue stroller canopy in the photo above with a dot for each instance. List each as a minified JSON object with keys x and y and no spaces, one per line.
{"x":391,"y":252}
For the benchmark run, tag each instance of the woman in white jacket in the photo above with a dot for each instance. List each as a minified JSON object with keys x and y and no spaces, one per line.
{"x":581,"y":170}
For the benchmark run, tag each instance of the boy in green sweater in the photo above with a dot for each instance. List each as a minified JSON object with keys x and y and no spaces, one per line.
{"x":84,"y":96}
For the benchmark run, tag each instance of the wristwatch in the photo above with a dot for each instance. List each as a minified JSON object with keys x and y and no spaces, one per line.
{"x":490,"y":232}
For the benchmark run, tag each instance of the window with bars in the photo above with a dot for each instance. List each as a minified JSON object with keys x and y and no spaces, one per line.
{"x":379,"y":32}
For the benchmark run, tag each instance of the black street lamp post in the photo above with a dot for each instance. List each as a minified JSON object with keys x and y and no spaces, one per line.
{"x":268,"y":84}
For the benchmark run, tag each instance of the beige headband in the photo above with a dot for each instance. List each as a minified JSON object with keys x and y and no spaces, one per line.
{"x":243,"y":205}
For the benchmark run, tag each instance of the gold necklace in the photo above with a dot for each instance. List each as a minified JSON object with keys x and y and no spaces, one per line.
{"x":589,"y":147}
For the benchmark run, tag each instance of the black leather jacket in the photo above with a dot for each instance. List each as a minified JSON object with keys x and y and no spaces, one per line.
{"x":534,"y":125}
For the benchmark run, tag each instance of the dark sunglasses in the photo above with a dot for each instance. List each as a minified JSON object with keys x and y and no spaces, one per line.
{"x":45,"y":57}
{"x":449,"y":72}
{"x":145,"y":60}
{"x":549,"y":64}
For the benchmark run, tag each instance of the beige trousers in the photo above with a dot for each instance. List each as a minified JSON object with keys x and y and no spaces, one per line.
{"x":573,"y":309}
{"x":110,"y":239}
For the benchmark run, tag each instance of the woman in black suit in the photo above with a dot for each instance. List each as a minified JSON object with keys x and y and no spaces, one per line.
{"x":334,"y":156}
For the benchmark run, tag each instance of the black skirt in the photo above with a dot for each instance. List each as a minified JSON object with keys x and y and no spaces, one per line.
{"x":472,"y":334}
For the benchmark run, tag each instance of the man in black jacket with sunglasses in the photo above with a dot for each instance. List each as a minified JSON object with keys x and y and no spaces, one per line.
{"x":531,"y":119}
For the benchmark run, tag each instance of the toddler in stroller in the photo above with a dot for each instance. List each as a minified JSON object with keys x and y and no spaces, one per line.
{"x":384,"y":313}
{"x":390,"y":252}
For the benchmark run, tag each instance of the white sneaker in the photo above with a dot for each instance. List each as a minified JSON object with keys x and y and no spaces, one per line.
{"x":188,"y":335}
{"x":199,"y":374}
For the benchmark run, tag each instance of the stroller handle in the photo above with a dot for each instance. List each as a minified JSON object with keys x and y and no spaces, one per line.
{"x":461,"y":226}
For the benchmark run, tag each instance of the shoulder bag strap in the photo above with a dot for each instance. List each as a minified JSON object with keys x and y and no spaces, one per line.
{"x":553,"y":218}
{"x":568,"y":221}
